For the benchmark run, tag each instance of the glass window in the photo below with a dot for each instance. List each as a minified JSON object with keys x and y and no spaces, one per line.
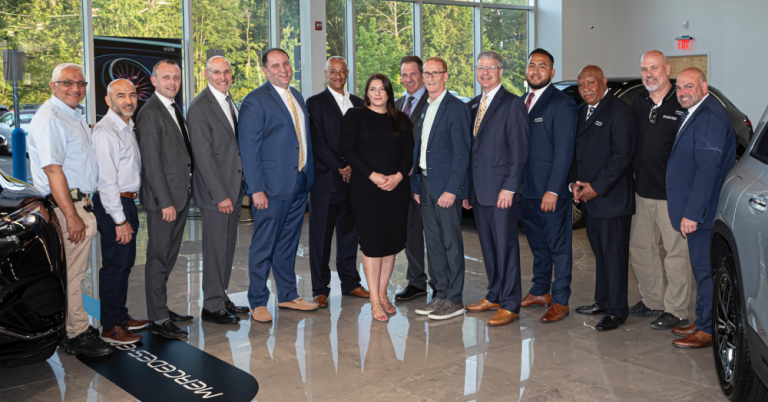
{"x":761,"y":148}
{"x":289,"y":36}
{"x":506,"y":32}
{"x":448,"y":34}
{"x":142,"y":19}
{"x":335,"y":27}
{"x":510,"y":2}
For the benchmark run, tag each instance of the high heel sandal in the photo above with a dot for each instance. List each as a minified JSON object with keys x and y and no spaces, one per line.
{"x":387,"y":306}
{"x":377,"y":313}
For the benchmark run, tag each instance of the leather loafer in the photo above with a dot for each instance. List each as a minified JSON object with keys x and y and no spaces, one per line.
{"x":410,"y":293}
{"x":176,"y":318}
{"x":134,"y":324}
{"x":482,"y":305}
{"x":219,"y":317}
{"x":503,"y":317}
{"x":235,"y":310}
{"x":261,"y":314}
{"x":556,"y":312}
{"x":167,"y":330}
{"x":541,"y":301}
{"x":591,"y":309}
{"x":697,"y":340}
{"x":298,"y":304}
{"x":119,"y":335}
{"x":684,"y":331}
{"x":609,"y":322}
{"x":321,"y":301}
{"x":358,"y":292}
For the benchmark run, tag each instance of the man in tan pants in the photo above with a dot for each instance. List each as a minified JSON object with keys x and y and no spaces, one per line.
{"x":657,"y":112}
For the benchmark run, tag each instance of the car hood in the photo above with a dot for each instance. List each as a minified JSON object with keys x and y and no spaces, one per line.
{"x":13,"y":191}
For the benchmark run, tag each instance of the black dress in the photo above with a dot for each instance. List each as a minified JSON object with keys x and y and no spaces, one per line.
{"x":368,"y":144}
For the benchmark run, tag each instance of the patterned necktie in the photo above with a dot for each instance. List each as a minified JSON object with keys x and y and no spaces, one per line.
{"x":589,"y":112}
{"x":234,"y":115}
{"x":481,"y":113}
{"x":681,"y":121}
{"x":295,"y":114}
{"x":407,"y":109}
{"x":529,"y":101}
{"x":183,"y":127}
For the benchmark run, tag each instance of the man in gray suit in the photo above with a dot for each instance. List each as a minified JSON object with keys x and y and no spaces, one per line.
{"x":218,"y":186}
{"x":167,"y":166}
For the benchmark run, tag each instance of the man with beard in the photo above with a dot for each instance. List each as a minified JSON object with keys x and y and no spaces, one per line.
{"x":657,"y":113}
{"x":545,"y":211}
{"x":118,"y":163}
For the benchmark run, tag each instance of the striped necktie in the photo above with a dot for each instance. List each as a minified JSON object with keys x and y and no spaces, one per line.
{"x":590,"y":111}
{"x":481,"y":113}
{"x":295,"y":114}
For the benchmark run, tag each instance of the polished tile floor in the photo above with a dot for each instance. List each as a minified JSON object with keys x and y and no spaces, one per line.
{"x":342,"y":354}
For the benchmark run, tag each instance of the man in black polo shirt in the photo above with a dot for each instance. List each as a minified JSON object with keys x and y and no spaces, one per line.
{"x":657,"y":112}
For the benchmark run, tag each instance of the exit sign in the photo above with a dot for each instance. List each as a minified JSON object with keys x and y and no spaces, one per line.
{"x":684,"y":42}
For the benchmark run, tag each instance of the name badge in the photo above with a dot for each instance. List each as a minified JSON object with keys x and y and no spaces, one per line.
{"x":673,"y":118}
{"x":475,"y":106}
{"x":598,"y":123}
{"x":538,"y":120}
{"x":679,"y":112}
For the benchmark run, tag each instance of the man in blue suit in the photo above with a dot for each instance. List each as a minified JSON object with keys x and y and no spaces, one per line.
{"x":441,"y":158}
{"x":499,"y":152}
{"x":545,"y":210}
{"x":278,"y":171}
{"x":704,"y":152}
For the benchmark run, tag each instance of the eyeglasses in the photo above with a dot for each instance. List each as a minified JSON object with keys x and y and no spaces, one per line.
{"x":434,"y":74}
{"x":68,"y":84}
{"x":652,"y":115}
{"x":489,"y":68}
{"x":338,"y":72}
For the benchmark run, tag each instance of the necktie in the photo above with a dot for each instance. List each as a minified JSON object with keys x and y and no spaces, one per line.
{"x":234,"y":115}
{"x":528,"y":101}
{"x":481,"y":113}
{"x":295,"y":114}
{"x":589,"y":112}
{"x":681,"y":121}
{"x":183,"y":127}
{"x":407,"y":110}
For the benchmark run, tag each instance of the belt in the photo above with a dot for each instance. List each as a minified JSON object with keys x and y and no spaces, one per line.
{"x":128,"y":194}
{"x":74,"y":193}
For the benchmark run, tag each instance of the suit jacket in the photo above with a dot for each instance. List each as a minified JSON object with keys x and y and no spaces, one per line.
{"x":605,"y":145}
{"x":447,"y":149}
{"x":417,"y":109}
{"x":165,"y":161}
{"x":218,"y":166}
{"x":325,"y":118}
{"x":269,"y":145}
{"x":500,"y":149}
{"x":703,"y":154}
{"x":552,"y":122}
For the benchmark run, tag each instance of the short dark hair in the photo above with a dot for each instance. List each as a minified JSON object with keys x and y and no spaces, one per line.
{"x":266,"y":54}
{"x":169,"y":62}
{"x":544,"y":52}
{"x":412,"y":59}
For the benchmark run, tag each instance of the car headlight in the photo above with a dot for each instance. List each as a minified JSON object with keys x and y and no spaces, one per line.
{"x":21,"y":225}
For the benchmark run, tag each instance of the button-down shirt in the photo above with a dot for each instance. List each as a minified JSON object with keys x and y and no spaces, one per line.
{"x":118,"y":162}
{"x":300,"y":112}
{"x":58,"y":135}
{"x":169,"y":105}
{"x":416,"y":97}
{"x":536,"y":95}
{"x":690,"y":112}
{"x":342,"y":100}
{"x":488,"y":101}
{"x":224,"y":103}
{"x":429,"y":118}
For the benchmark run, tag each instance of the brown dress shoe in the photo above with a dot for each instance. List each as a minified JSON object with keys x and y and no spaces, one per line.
{"x":541,"y":301}
{"x":120,"y":335}
{"x":556,"y":312}
{"x":299,"y":304}
{"x":697,"y":340}
{"x":482,"y":305}
{"x":321,"y":301}
{"x":134,"y":324}
{"x":261,"y":314}
{"x":359,"y":292}
{"x":684,"y":331}
{"x":502,"y":317}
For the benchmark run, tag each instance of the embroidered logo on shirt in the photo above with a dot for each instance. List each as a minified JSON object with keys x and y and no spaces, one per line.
{"x":598,"y":123}
{"x":673,"y":118}
{"x":538,"y":120}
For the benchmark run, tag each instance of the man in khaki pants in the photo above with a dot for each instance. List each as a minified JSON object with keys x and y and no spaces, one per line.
{"x":63,"y":168}
{"x":657,"y":112}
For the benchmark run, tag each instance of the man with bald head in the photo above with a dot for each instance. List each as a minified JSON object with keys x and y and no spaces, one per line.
{"x":118,"y":162}
{"x":601,"y":180}
{"x":703,"y":153}
{"x":657,"y":113}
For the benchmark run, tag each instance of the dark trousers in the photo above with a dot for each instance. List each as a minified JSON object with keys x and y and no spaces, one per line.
{"x":329,"y":211}
{"x":162,"y":251}
{"x":698,"y":247}
{"x":414,"y":249}
{"x":219,"y":243}
{"x":445,"y":245}
{"x":609,"y":238}
{"x":276,"y":232}
{"x":550,"y":237}
{"x":497,"y":230}
{"x":116,"y":262}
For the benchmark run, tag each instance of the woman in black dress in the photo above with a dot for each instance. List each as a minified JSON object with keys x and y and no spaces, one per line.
{"x":377,"y":141}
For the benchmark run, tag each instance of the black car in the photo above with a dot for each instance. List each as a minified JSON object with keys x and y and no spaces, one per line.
{"x":3,"y":110}
{"x":32,"y":275}
{"x":627,"y":88}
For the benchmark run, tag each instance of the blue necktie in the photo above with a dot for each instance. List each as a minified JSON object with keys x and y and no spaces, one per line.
{"x":681,"y":120}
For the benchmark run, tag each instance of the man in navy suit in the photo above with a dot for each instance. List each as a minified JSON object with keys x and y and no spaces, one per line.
{"x":545,"y":210}
{"x":601,"y":179}
{"x":704,"y":152}
{"x":329,"y":205}
{"x":499,"y":144}
{"x":441,"y":159}
{"x":278,"y":168}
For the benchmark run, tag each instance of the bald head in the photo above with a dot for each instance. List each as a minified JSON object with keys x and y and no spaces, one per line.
{"x":592,"y":84}
{"x":121,"y":98}
{"x":218,"y":72}
{"x":691,"y":87}
{"x":654,"y":70}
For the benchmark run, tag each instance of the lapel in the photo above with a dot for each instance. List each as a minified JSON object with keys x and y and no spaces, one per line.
{"x":491,"y":108}
{"x":416,"y":112}
{"x":216,"y":107}
{"x":602,"y":107}
{"x":168,"y":119}
{"x":541,"y":101}
{"x":335,"y":106}
{"x":399,"y":103}
{"x":688,"y":123}
{"x":280,"y":102}
{"x":474,"y":107}
{"x":438,"y":116}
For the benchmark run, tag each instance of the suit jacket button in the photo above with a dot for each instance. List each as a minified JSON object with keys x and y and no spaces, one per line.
{"x":188,"y":165}
{"x":578,"y":143}
{"x":239,"y":171}
{"x":297,"y":148}
{"x":474,"y":152}
{"x":579,"y":160}
{"x":295,"y":168}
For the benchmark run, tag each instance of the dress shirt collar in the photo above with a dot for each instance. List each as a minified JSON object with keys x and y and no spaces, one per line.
{"x":282,"y":91}
{"x":339,"y":97}
{"x":116,"y":120}
{"x":540,"y":91}
{"x":222,"y":98}
{"x":167,"y":102}
{"x":696,"y":106}
{"x":601,"y":99}
{"x":416,"y":95}
{"x":492,"y":94}
{"x":439,"y":98}
{"x":74,"y":113}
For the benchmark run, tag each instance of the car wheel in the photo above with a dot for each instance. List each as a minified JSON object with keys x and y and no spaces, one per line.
{"x":578,"y":217}
{"x":729,"y":338}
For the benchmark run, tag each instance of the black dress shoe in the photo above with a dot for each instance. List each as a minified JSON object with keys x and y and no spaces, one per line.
{"x":179,"y":318}
{"x":593,"y":309}
{"x":236,"y":310}
{"x":88,"y":344}
{"x":609,"y":322}
{"x":168,"y":330}
{"x":219,"y":317}
{"x":668,"y":321}
{"x":410,"y":293}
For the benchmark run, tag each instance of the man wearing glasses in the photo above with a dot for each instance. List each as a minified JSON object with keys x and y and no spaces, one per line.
{"x":64,"y":168}
{"x":657,"y":113}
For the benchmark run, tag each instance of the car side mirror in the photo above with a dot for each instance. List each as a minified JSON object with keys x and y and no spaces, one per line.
{"x":10,"y":123}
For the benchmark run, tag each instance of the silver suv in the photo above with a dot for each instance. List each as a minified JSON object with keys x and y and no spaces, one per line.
{"x":739,"y":259}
